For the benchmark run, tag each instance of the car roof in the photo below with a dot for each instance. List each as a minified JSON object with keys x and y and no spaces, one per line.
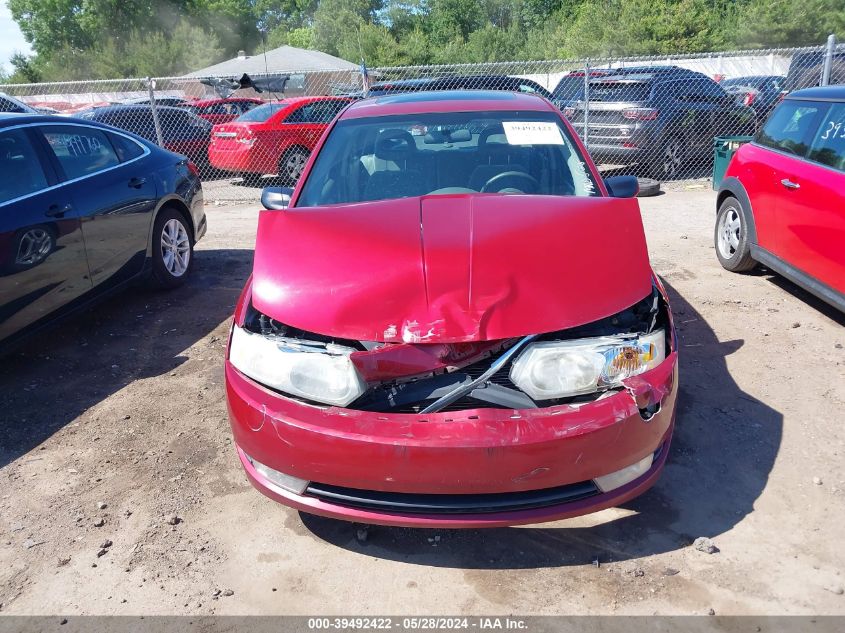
{"x":752,"y":78}
{"x":207,"y":102}
{"x":824,"y":93}
{"x":446,"y":101}
{"x":9,"y":119}
{"x":647,"y":73}
{"x":111,"y":109}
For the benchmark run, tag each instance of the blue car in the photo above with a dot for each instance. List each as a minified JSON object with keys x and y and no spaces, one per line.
{"x":86,"y":209}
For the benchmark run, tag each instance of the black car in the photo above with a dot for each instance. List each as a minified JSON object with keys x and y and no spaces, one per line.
{"x":663,"y":118}
{"x":571,"y":85}
{"x":182,"y":132}
{"x":761,"y":92}
{"x":84,"y":210}
{"x":806,"y":68}
{"x":459,"y":82}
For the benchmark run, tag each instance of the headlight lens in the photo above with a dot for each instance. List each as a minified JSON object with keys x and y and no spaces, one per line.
{"x":323,"y":373}
{"x":559,"y":369}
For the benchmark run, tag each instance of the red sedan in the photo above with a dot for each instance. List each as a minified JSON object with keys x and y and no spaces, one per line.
{"x":274,"y":138}
{"x":782,"y":203}
{"x":452,"y":321}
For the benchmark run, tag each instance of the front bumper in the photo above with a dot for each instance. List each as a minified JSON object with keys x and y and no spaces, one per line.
{"x":531,"y":453}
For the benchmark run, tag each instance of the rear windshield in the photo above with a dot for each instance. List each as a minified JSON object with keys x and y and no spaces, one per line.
{"x":262,"y":112}
{"x":619,"y":90}
{"x":382,"y":158}
{"x":568,"y":87}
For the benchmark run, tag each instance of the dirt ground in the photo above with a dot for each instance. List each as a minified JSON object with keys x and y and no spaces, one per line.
{"x":115,"y":423}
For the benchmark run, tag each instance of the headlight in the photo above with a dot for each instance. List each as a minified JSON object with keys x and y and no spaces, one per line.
{"x":559,"y":369}
{"x":323,"y":373}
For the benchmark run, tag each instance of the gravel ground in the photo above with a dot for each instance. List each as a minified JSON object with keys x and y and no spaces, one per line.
{"x":121,"y":492}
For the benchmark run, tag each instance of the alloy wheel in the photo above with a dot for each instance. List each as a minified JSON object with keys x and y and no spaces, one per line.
{"x":295,"y":164}
{"x":672,"y":158}
{"x":34,"y":246}
{"x":729,"y":227}
{"x":175,"y":247}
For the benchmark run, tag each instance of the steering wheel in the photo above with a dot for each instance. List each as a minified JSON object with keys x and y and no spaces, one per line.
{"x":532,"y":182}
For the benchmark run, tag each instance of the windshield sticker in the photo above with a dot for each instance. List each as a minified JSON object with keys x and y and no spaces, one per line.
{"x":532,"y":133}
{"x":580,"y":173}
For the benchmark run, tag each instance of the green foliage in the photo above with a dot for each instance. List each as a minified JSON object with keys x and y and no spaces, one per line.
{"x":114,"y":38}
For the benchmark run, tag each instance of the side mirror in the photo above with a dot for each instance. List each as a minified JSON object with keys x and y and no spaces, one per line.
{"x":622,"y":186}
{"x":276,"y":198}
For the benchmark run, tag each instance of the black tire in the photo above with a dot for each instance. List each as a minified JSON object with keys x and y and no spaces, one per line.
{"x":648,"y":187}
{"x":669,"y":161}
{"x":730,"y":237}
{"x":171,"y":271}
{"x":291,"y":165}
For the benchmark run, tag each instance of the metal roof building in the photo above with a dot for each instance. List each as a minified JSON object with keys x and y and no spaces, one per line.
{"x":284,"y":58}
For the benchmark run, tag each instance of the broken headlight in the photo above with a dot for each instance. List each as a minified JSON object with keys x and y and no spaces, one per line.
{"x":559,"y":369}
{"x":310,"y":369}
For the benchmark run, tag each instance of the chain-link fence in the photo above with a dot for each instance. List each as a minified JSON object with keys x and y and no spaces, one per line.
{"x":648,"y":116}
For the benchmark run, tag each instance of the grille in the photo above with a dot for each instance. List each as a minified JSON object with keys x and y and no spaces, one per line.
{"x":406,"y":503}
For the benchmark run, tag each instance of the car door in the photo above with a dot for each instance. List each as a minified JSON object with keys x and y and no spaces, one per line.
{"x":812,"y":226}
{"x":773,"y":169}
{"x":110,"y":179}
{"x":311,"y":120}
{"x":43,"y":266}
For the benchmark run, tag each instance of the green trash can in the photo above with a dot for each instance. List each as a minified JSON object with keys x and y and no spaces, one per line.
{"x":724,"y":147}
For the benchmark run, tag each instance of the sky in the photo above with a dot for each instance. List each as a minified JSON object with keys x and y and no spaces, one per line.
{"x":11,"y":38}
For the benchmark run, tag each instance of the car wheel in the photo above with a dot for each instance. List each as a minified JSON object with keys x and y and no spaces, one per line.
{"x":292,"y":164}
{"x":33,"y":246}
{"x":668,"y":163}
{"x":173,"y":249}
{"x":731,"y":237}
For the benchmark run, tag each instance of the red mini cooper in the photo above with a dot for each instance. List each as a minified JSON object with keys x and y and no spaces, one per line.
{"x":452,"y":321}
{"x":782,"y":203}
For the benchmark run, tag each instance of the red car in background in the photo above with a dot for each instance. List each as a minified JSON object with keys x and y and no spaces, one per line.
{"x":782,"y":203}
{"x":452,"y":322}
{"x":273,"y":138}
{"x":217,"y":111}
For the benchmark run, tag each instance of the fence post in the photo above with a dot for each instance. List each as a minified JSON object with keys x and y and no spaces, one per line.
{"x":151,"y":84}
{"x":586,"y":135}
{"x":828,"y":59}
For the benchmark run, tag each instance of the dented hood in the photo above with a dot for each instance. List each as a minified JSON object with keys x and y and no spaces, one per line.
{"x":450,"y":268}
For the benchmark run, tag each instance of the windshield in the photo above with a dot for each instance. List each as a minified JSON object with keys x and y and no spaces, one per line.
{"x":381,"y":158}
{"x":610,"y":90}
{"x":568,"y":87}
{"x":262,"y":112}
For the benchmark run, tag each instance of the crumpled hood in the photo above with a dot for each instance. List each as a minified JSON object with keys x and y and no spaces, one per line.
{"x":450,"y":268}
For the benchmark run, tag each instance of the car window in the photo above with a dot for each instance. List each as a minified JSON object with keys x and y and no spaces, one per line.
{"x":316,"y":112}
{"x":791,"y":126}
{"x":246,"y":106}
{"x":19,"y":164}
{"x":262,"y":113}
{"x":619,"y":90}
{"x":381,"y":158}
{"x":7,"y":105}
{"x":828,"y":146}
{"x":81,"y":151}
{"x":126,"y":148}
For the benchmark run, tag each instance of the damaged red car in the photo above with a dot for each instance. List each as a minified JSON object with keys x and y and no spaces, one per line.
{"x":452,"y":322}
